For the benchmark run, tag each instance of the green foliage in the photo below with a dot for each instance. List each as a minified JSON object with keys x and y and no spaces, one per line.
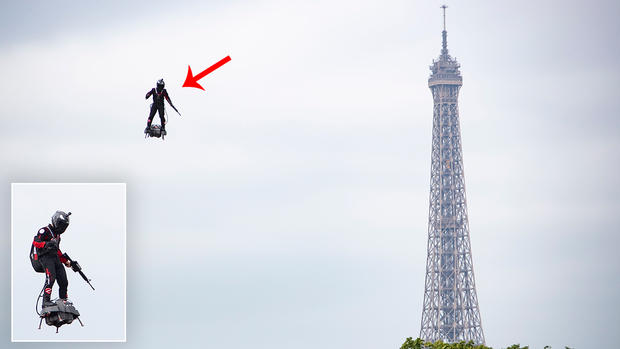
{"x":412,"y":344}
{"x":420,"y":344}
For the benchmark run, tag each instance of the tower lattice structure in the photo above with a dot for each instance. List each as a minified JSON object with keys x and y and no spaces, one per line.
{"x":451,"y":311}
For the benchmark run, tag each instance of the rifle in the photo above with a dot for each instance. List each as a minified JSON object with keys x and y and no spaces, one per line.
{"x":78,"y":269}
{"x":175,"y":109}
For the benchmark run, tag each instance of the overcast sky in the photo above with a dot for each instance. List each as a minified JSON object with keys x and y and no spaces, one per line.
{"x":288,"y":206}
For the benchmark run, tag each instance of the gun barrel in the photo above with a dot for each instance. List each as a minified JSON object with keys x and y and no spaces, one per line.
{"x":86,"y":279}
{"x":78,"y":269}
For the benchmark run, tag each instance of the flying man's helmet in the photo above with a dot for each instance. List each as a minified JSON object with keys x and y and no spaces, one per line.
{"x":60,"y":221}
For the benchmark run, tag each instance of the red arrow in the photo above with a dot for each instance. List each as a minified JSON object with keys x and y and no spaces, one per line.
{"x":192,"y":81}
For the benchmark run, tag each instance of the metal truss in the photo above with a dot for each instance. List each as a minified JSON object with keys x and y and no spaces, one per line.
{"x":451,"y":311}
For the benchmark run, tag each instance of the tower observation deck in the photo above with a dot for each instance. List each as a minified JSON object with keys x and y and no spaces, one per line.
{"x":450,"y":309}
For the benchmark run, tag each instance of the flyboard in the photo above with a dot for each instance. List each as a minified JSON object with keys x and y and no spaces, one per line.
{"x":155,"y":131}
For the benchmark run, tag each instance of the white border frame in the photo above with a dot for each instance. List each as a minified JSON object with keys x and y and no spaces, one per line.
{"x":124,"y":340}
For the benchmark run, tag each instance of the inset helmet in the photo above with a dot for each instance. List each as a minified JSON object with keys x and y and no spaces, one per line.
{"x":60,"y":221}
{"x":160,"y":84}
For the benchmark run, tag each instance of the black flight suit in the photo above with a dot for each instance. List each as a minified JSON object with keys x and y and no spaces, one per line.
{"x":158,"y":105}
{"x":48,"y":252}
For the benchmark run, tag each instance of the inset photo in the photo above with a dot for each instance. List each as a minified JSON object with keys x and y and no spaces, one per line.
{"x":68,"y":262}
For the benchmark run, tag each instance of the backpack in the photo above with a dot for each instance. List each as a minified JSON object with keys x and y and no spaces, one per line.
{"x":34,"y":259}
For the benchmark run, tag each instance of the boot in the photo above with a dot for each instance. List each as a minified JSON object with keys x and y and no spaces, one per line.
{"x":46,"y":301}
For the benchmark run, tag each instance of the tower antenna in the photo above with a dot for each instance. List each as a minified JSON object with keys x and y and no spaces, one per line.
{"x":444,"y":35}
{"x":444,"y":7}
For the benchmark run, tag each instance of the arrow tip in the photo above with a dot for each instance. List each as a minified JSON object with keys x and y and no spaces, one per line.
{"x":190,"y":80}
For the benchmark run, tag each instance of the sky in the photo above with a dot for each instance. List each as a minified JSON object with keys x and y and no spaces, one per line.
{"x":95,"y":239}
{"x":288,"y":204}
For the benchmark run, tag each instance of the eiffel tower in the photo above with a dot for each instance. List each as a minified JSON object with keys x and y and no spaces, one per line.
{"x":451,"y":311}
